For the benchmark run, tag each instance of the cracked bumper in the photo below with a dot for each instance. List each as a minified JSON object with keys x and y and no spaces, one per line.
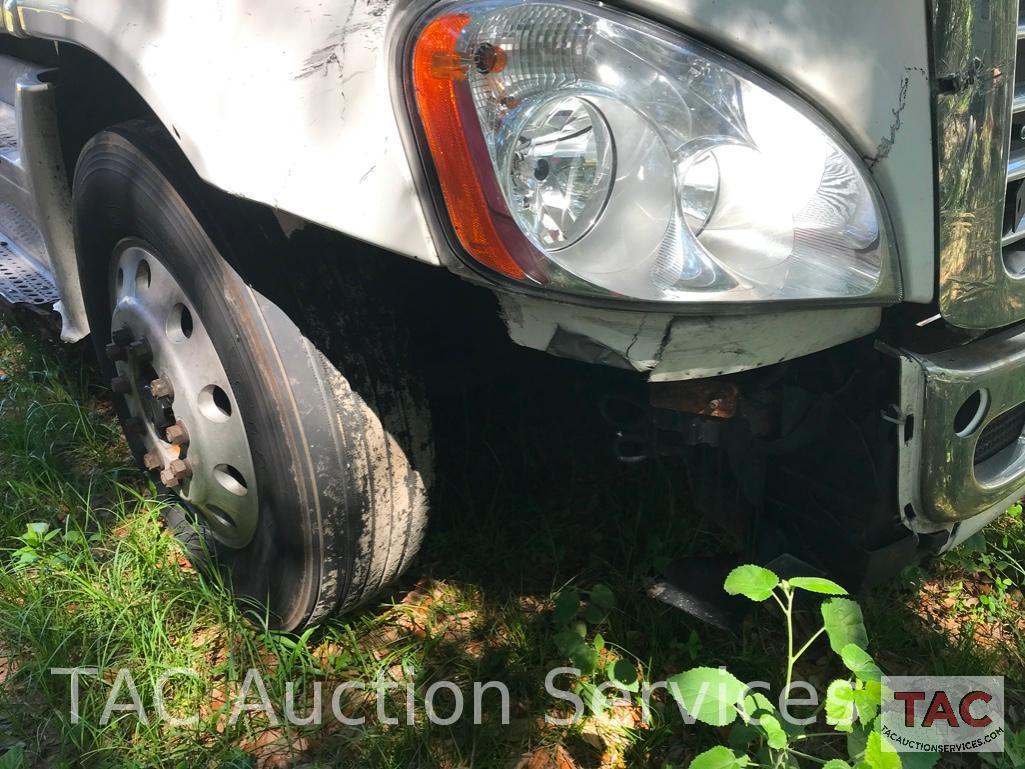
{"x":668,"y":347}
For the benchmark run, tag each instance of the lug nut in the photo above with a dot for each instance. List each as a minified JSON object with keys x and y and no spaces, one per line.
{"x":140,"y":351}
{"x":177,"y":435}
{"x":120,"y":385}
{"x":169,"y":479}
{"x":161,"y":388}
{"x":134,"y":425}
{"x":116,"y":352}
{"x":181,"y":468}
{"x":152,"y":461}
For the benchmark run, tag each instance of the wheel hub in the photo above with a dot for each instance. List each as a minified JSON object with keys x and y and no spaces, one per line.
{"x":179,"y":397}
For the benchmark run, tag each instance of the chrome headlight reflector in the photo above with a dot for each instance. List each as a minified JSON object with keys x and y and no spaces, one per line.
{"x":585,"y":150}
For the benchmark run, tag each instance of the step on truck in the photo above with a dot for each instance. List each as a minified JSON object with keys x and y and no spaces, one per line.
{"x":797,"y":226}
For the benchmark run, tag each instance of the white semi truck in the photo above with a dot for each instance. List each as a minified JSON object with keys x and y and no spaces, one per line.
{"x":798,"y":224}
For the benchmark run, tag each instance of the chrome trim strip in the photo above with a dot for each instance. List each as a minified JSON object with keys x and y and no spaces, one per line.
{"x":940,"y":477}
{"x":974,"y":51}
{"x":1012,"y":237}
{"x":1016,"y":166}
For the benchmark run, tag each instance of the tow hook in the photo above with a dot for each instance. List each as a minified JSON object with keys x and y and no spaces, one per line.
{"x":645,"y":432}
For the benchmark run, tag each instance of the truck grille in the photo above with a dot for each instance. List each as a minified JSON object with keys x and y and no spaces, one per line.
{"x":1002,"y":432}
{"x":979,"y":99}
{"x":1014,"y":205}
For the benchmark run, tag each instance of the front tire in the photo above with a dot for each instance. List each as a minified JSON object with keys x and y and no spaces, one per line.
{"x":313,"y":480}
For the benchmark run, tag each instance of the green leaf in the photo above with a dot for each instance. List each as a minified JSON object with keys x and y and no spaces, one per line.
{"x":774,"y":734}
{"x":840,"y":705}
{"x":603,"y":597}
{"x":756,"y":705}
{"x":567,"y":603}
{"x":880,"y":755}
{"x":752,"y":582}
{"x":624,"y":675}
{"x":836,"y":763}
{"x":817,"y":585}
{"x":599,"y":643}
{"x":859,"y":662}
{"x":844,"y":622}
{"x":742,"y":735}
{"x":585,"y":658}
{"x":720,"y":757}
{"x":74,"y":537}
{"x":594,"y":614}
{"x":595,"y":701}
{"x":922,"y":760}
{"x":868,"y":699}
{"x":710,"y":695}
{"x":857,"y":741}
{"x":567,"y":642}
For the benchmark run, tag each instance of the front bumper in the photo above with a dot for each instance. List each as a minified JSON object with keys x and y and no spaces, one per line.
{"x":667,"y":347}
{"x":962,"y":446}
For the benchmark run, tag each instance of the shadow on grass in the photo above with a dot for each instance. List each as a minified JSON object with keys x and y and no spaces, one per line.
{"x":529,"y":500}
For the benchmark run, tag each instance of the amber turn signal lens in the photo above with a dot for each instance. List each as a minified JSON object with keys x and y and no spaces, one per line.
{"x":475,"y":203}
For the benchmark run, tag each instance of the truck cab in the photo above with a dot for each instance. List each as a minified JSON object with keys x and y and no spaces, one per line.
{"x":795,"y":227}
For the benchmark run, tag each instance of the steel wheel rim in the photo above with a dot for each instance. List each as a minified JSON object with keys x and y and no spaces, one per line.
{"x":158,"y":335}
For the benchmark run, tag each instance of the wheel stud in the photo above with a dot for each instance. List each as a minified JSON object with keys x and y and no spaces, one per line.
{"x":169,"y":479}
{"x":152,"y":461}
{"x":177,"y":435}
{"x":181,"y":468}
{"x":116,"y":352}
{"x":162,"y":388}
{"x":140,"y":351}
{"x":120,"y":385}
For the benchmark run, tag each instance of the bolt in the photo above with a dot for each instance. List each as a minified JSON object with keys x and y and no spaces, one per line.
{"x":177,"y":435}
{"x":121,"y":385}
{"x":181,"y":468}
{"x":162,"y":388}
{"x":152,"y":461}
{"x":116,"y":352}
{"x":134,"y":425}
{"x":140,"y":351}
{"x":169,"y":479}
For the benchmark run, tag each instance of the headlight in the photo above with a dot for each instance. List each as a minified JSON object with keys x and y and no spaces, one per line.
{"x":588,"y":151}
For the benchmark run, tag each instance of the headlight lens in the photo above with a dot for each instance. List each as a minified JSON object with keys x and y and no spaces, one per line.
{"x":582,"y":149}
{"x":559,"y":173}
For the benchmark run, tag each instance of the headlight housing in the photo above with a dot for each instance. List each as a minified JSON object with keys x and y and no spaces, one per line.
{"x":585,"y":150}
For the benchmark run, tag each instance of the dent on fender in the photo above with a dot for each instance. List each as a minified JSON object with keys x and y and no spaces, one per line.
{"x":263,"y":98}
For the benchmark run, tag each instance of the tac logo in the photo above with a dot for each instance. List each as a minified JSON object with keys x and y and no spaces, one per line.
{"x":944,"y":714}
{"x":941,"y":709}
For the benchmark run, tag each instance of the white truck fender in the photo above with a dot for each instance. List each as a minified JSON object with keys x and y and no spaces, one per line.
{"x":286,"y":104}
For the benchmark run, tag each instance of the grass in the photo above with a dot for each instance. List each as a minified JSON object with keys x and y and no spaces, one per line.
{"x":528,"y":507}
